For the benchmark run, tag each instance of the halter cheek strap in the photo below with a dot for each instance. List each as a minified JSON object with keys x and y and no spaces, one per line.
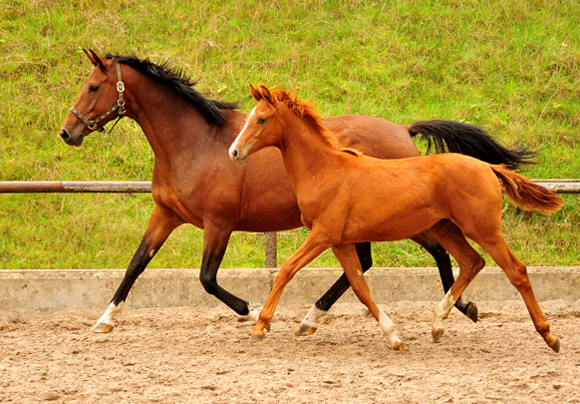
{"x":119,"y":107}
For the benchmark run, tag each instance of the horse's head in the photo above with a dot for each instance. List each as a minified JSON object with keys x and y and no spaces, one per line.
{"x":263,"y":127}
{"x":100,"y":101}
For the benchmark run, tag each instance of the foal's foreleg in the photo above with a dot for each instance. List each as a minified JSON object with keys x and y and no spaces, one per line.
{"x":161,"y":223}
{"x":320,"y":309}
{"x":346,"y":254}
{"x":310,"y":249}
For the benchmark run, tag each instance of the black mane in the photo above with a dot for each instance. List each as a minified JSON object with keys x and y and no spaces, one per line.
{"x":181,"y":84}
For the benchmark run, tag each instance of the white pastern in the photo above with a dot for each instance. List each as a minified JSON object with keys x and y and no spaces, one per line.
{"x":253,"y":314}
{"x":111,"y":312}
{"x":233,"y":146}
{"x":442,"y":311}
{"x":311,"y":319}
{"x":388,"y":327}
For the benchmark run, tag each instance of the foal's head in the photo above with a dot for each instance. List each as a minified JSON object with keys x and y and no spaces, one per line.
{"x":265,"y":125}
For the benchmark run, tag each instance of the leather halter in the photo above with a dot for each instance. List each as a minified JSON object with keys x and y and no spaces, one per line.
{"x":119,"y":107}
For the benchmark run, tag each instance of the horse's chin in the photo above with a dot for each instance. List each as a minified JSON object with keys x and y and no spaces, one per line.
{"x":77,"y":142}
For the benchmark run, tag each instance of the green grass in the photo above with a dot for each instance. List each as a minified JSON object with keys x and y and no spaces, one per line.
{"x":512,"y":67}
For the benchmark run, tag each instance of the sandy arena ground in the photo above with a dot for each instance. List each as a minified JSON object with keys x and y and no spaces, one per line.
{"x":191,"y":355}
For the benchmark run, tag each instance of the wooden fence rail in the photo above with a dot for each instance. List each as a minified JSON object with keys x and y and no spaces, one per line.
{"x":564,"y":186}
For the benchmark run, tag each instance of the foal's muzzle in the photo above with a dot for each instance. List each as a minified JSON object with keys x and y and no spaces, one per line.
{"x":236,"y":156}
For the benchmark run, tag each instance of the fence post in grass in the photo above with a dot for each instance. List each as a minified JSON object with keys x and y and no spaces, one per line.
{"x":271,"y":250}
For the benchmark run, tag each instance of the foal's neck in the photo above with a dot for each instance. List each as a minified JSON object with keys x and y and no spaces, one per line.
{"x":308,"y":148}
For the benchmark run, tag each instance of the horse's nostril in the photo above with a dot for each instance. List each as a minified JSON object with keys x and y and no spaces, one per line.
{"x":64,"y":134}
{"x":234,"y":153}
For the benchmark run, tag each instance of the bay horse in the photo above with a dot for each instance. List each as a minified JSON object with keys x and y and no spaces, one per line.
{"x":195,"y":182}
{"x":346,"y":198}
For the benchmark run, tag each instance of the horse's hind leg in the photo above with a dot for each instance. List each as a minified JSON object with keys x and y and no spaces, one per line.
{"x":310,"y":322}
{"x":470,"y":263}
{"x":443,"y":261}
{"x":215,"y":241}
{"x":518,"y":275}
{"x":161,"y":223}
{"x":347,"y":256}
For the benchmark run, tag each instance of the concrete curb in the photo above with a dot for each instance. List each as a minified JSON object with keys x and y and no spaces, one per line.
{"x":45,"y":291}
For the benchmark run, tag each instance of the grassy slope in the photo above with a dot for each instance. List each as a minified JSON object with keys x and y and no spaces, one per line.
{"x":511,"y":67}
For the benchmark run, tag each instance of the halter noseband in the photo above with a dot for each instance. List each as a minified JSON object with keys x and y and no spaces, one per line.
{"x":119,"y":107}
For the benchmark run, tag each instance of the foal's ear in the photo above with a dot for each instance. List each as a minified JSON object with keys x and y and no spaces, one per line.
{"x":266,"y":94}
{"x":95,"y":59}
{"x":255,"y":93}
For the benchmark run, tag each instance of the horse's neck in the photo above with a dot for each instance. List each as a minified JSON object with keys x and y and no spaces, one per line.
{"x":307,"y":153}
{"x":171,"y":124}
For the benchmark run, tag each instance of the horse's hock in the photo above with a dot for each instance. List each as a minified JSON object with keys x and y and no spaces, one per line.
{"x":45,"y":291}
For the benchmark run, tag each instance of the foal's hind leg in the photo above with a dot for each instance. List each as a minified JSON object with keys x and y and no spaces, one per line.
{"x":470,"y":263}
{"x":518,"y":275}
{"x":310,"y":322}
{"x":347,"y":256}
{"x":441,"y":256}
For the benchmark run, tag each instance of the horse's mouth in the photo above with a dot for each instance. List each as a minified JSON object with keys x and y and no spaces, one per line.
{"x":71,"y":141}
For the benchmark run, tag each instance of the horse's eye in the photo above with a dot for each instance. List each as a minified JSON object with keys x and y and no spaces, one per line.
{"x":262,"y":120}
{"x":93,"y":89}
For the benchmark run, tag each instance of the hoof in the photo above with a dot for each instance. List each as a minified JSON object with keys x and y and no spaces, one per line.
{"x":556,"y":346}
{"x":306,"y":330}
{"x":398,"y":346}
{"x":102,"y":327}
{"x":437,"y":334}
{"x":472,"y":312}
{"x":256,"y":337}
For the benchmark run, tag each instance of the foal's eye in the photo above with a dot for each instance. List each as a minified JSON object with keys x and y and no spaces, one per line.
{"x":93,"y":89}
{"x":262,"y":120}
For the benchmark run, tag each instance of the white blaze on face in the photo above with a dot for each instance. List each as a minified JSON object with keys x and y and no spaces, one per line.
{"x":111,"y":312}
{"x":233,"y":146}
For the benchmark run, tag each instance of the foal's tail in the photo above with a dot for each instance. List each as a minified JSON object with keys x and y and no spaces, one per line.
{"x":463,"y":138}
{"x":526,"y":194}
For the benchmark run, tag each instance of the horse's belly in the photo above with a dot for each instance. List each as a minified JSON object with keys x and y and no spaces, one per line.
{"x":389,"y":228}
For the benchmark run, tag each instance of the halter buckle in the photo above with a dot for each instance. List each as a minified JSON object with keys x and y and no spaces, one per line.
{"x":120,"y":86}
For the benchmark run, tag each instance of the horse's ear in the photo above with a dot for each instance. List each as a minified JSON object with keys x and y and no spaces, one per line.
{"x":95,"y":59}
{"x":255,"y":93}
{"x":266,"y":94}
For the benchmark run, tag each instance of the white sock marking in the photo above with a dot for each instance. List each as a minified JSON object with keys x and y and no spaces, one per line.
{"x":311,"y":319}
{"x":111,"y":312}
{"x":388,"y":327}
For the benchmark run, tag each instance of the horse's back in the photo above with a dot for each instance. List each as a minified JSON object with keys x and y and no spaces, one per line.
{"x":375,"y":137}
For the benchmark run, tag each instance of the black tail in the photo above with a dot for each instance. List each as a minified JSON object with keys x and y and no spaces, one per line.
{"x":459,"y":137}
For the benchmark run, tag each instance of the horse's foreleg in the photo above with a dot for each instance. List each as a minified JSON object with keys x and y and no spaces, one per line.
{"x":470,"y":263}
{"x":310,"y":249}
{"x":443,"y":261}
{"x":161,"y":224}
{"x":215,"y":241}
{"x":351,"y":264}
{"x":320,"y":309}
